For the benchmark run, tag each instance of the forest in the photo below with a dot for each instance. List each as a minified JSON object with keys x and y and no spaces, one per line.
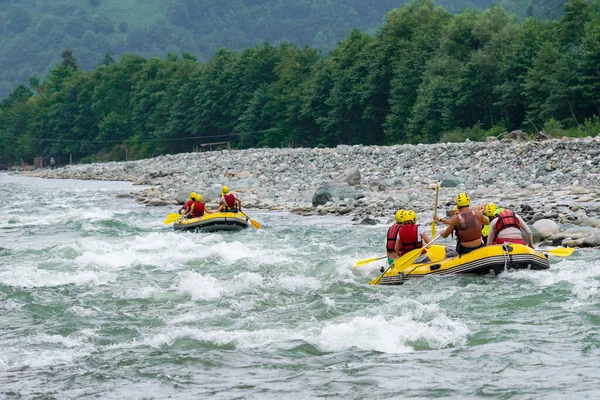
{"x":34,"y":32}
{"x":427,"y":75}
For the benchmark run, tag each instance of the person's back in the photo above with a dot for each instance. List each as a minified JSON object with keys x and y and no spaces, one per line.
{"x":229,"y":202}
{"x":467,"y":224}
{"x":411,"y":236}
{"x":392,"y":233}
{"x":507,"y":227}
{"x":197,"y":208}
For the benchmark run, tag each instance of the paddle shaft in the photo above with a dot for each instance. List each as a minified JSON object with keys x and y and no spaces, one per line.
{"x":437,"y":192}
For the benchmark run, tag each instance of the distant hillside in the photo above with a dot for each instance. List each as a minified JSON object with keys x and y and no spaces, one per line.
{"x":33,"y":32}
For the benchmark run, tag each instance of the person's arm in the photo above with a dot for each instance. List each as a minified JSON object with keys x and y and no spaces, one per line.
{"x":528,"y":232}
{"x":446,"y":232}
{"x":484,"y":220}
{"x":239,"y":203}
{"x":492,"y":234}
{"x":442,"y":220}
{"x":424,"y":235}
{"x":207,"y":210}
{"x":398,"y":245}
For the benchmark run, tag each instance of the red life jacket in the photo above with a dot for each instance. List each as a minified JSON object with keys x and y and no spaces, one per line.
{"x":188,"y":204}
{"x":229,"y":201}
{"x":469,"y":227}
{"x":409,"y":236}
{"x":197,"y":209}
{"x":390,"y":244}
{"x":507,"y":219}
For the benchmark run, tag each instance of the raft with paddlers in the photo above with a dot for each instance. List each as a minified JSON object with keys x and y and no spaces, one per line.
{"x":486,"y":260}
{"x":220,"y":221}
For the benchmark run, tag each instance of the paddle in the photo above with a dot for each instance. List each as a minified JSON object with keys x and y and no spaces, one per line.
{"x":360,"y":263}
{"x":437,"y":192}
{"x":405,"y":260}
{"x":252,"y":221}
{"x":172,"y":218}
{"x":559,"y":251}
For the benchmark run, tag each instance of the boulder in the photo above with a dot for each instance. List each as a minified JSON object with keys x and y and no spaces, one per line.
{"x":517,"y":136}
{"x":158,"y":203}
{"x":330,"y":190}
{"x":592,"y":240}
{"x":546,"y":228}
{"x":450,"y":181}
{"x":540,"y":136}
{"x":183,"y":196}
{"x":351,"y":177}
{"x":369,"y":221}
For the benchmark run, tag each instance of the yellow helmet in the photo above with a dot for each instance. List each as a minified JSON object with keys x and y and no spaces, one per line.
{"x":410,"y":216}
{"x":490,"y":209}
{"x":225,"y":190}
{"x":193,"y":195}
{"x":463,"y":200}
{"x":455,"y":208}
{"x":400,"y":216}
{"x":198,"y":197}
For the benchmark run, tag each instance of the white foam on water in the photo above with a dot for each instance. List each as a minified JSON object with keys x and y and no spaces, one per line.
{"x":202,"y":287}
{"x":82,"y":311}
{"x":298,"y":284}
{"x":32,"y":351}
{"x":32,"y":277}
{"x":581,"y":274}
{"x":391,"y":335}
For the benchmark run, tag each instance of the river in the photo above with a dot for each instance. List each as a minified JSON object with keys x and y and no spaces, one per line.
{"x":99,"y":299}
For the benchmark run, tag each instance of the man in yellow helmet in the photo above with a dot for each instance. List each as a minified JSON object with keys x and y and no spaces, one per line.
{"x":410,"y":236}
{"x":467,"y":224}
{"x":392,"y":233}
{"x":188,"y":204}
{"x":489,"y":211}
{"x":229,"y":202}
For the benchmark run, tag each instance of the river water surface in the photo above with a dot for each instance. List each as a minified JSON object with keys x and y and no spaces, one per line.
{"x":98,"y":299}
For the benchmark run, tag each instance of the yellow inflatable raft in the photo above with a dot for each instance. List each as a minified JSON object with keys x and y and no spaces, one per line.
{"x":221,"y":221}
{"x":489,"y":259}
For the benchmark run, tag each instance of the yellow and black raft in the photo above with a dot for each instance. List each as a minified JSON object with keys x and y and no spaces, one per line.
{"x":486,"y":260}
{"x":221,"y":221}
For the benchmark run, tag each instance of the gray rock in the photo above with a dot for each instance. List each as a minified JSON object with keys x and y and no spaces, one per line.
{"x":369,"y":221}
{"x":450,"y":181}
{"x":518,"y":136}
{"x":330,"y":190}
{"x":352,"y":177}
{"x":158,"y":203}
{"x":546,"y":228}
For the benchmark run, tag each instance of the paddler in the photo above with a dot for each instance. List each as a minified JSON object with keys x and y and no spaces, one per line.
{"x":186,"y":207}
{"x":198,"y":208}
{"x":489,"y":210}
{"x":410,"y":236}
{"x":392,"y":233}
{"x":468,"y":224}
{"x":447,"y":220}
{"x":229,"y":202}
{"x":507,"y":227}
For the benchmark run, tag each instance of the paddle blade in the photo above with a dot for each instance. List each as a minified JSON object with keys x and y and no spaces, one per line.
{"x":560,"y":251}
{"x":366,"y":261}
{"x":376,"y":280}
{"x":171,"y":218}
{"x":255,"y":224}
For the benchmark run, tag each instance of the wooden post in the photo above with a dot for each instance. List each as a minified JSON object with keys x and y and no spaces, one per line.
{"x":70,"y":158}
{"x":126,"y":153}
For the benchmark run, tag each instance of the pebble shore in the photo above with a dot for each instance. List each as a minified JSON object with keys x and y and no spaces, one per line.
{"x":553,"y":184}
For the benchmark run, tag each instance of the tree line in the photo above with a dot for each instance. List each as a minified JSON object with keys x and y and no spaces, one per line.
{"x":425,"y":76}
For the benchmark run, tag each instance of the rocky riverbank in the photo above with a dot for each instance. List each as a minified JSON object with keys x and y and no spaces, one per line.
{"x":557,"y":180}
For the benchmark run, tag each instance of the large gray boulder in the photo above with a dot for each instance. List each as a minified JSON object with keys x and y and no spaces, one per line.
{"x":351,"y":177}
{"x":334,"y":190}
{"x":546,"y":228}
{"x":450,"y":181}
